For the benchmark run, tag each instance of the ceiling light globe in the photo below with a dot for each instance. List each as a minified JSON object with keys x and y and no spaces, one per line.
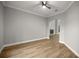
{"x":44,"y":2}
{"x":44,"y":6}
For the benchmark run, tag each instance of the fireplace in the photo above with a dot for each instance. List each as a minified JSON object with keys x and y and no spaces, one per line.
{"x":51,"y":31}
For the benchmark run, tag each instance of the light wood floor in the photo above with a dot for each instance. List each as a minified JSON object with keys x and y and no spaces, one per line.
{"x":46,"y":48}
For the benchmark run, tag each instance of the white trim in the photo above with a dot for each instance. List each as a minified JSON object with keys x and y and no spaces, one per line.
{"x":7,"y":45}
{"x":1,"y":49}
{"x":10,"y":6}
{"x":70,"y":48}
{"x":61,"y":42}
{"x":63,"y":10}
{"x":21,"y":9}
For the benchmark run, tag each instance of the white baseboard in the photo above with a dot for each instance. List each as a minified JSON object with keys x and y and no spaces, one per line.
{"x":61,"y":42}
{"x":70,"y":48}
{"x":1,"y":49}
{"x":7,"y":45}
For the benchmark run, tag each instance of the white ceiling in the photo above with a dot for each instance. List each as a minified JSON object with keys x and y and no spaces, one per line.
{"x":35,"y":7}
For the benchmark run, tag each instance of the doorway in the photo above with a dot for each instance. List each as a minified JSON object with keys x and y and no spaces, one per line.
{"x":54,"y":28}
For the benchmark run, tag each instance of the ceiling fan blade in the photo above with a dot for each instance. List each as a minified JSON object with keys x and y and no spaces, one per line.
{"x":53,"y":7}
{"x":48,"y":7}
{"x":42,"y":3}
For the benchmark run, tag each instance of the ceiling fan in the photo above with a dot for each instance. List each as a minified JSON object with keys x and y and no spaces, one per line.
{"x":45,"y":4}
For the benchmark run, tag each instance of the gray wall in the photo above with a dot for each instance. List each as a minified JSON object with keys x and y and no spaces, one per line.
{"x":69,"y":32}
{"x":1,"y":26}
{"x":71,"y":25}
{"x":22,"y":26}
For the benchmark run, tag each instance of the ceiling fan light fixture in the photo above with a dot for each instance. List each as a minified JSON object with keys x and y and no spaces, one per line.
{"x":44,"y":2}
{"x":44,"y":6}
